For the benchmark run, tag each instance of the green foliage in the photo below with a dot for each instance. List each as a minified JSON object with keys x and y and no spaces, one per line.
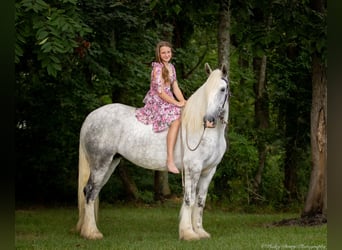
{"x":241,"y":102}
{"x":234,"y":174}
{"x":50,"y":30}
{"x":286,"y":38}
{"x":273,"y":179}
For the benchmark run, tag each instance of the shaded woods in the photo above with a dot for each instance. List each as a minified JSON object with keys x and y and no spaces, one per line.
{"x":74,"y":56}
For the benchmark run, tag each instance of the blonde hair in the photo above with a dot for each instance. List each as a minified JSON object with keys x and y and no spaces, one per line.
{"x":165,"y":71}
{"x":196,"y":106}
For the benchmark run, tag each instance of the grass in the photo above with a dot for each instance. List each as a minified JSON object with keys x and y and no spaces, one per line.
{"x":156,"y":227}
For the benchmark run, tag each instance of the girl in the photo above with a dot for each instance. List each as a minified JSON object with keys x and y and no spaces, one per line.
{"x":162,"y":109}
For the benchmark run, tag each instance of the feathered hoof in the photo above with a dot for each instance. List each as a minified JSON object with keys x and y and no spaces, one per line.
{"x":188,"y":235}
{"x":203,"y":234}
{"x":92,"y":235}
{"x":78,"y":227}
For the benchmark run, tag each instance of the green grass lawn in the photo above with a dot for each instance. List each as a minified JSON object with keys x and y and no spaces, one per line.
{"x":156,"y":227}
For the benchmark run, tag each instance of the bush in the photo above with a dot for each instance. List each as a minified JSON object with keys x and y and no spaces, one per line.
{"x":232,"y":180}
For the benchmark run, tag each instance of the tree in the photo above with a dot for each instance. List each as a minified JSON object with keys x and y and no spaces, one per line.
{"x":223,"y":34}
{"x":262,"y":17}
{"x":316,"y":201}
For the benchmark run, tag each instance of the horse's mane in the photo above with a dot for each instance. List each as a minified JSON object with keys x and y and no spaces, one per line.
{"x":195,"y":108}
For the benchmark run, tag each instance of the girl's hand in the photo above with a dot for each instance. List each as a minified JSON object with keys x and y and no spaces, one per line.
{"x":181,"y":103}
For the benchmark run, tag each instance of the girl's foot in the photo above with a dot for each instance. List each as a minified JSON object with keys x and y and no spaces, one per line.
{"x":172,"y":168}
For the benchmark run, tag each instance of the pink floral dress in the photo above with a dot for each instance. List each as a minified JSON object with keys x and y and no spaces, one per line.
{"x":156,"y":111}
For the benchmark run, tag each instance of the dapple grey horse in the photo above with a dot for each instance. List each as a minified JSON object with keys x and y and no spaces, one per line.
{"x":112,"y":132}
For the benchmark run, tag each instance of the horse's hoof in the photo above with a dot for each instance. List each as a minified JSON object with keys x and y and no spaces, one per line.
{"x":203,"y":234}
{"x":188,"y":235}
{"x":94,"y":235}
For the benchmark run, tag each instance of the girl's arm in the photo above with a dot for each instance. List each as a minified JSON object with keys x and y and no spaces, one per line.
{"x":175,"y":88}
{"x":171,"y":100}
{"x":178,"y":93}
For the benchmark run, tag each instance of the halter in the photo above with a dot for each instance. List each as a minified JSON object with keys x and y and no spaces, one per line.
{"x":226,"y":95}
{"x":225,"y":99}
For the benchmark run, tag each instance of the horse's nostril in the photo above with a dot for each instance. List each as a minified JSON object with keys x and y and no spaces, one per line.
{"x":209,"y":119}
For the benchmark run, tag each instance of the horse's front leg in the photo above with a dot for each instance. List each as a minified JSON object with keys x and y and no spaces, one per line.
{"x":197,"y":214}
{"x":191,"y":176}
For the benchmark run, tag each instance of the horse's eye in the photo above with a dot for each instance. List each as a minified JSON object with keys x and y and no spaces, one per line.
{"x":223,"y":89}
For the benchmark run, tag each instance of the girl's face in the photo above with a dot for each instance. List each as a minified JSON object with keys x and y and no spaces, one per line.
{"x":165,"y":54}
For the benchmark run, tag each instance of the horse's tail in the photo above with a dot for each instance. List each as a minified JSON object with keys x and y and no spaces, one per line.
{"x":83,"y":176}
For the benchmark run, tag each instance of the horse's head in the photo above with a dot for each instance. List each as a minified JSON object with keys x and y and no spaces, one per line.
{"x":217,"y":91}
{"x":209,"y":102}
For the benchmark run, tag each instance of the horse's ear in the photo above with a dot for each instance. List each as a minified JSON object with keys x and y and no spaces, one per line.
{"x":224,"y":70}
{"x":207,"y":68}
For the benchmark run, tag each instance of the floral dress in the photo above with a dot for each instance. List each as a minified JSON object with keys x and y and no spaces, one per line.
{"x":156,"y":111}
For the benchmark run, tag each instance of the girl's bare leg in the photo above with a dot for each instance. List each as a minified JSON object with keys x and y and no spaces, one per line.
{"x":171,"y":141}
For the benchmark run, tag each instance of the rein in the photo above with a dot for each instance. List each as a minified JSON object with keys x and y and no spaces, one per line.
{"x":199,"y":142}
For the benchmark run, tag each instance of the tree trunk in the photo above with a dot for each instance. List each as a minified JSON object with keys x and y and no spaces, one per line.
{"x":131,"y":189}
{"x":161,"y":185}
{"x":261,"y":119}
{"x":316,"y":201}
{"x":223,"y":38}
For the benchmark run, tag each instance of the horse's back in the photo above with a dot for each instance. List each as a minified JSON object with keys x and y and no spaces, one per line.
{"x":108,"y":113}
{"x":102,"y":125}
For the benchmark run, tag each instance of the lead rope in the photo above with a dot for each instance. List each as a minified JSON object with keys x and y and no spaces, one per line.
{"x":199,"y":142}
{"x":182,"y":157}
{"x":191,"y":149}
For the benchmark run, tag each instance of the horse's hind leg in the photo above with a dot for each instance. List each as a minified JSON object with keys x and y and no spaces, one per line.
{"x":98,"y":178}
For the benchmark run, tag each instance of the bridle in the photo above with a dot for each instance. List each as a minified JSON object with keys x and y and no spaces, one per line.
{"x":220,"y":116}
{"x":227,"y":91}
{"x":225,"y":99}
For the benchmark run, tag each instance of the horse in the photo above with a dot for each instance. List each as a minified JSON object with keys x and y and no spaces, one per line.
{"x":112,"y":132}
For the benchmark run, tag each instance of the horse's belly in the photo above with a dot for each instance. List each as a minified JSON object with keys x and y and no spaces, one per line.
{"x":151,"y":156}
{"x":147,"y":149}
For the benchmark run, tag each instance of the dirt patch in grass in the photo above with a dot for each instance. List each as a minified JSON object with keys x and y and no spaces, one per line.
{"x":302,"y":221}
